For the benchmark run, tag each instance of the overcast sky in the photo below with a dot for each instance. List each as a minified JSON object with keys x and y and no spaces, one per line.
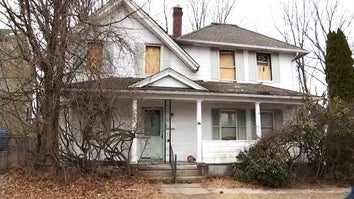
{"x":256,"y":15}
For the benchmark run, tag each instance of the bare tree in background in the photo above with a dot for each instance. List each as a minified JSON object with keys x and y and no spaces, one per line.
{"x":204,"y":12}
{"x":306,"y":24}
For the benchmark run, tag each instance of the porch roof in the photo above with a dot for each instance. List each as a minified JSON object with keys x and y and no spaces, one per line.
{"x":123,"y":84}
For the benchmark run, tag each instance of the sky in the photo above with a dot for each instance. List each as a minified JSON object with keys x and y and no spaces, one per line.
{"x":256,"y":15}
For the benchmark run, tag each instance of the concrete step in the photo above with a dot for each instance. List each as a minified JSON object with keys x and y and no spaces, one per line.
{"x":150,"y":167}
{"x":179,"y":179}
{"x":167,"y":173}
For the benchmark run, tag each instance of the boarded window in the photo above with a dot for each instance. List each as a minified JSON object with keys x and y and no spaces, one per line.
{"x":94,"y":57}
{"x":227,"y":65}
{"x":264,"y":67}
{"x":152,"y":60}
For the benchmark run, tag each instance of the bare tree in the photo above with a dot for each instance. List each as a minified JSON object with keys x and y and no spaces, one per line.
{"x":306,"y":24}
{"x":204,"y":12}
{"x":61,"y":41}
{"x":223,"y":10}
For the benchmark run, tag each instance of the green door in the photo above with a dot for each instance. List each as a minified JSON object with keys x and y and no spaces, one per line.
{"x":153,"y":145}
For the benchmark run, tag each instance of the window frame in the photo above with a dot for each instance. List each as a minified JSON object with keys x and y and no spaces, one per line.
{"x":227,"y":67}
{"x":144,"y":109}
{"x":237,"y":125}
{"x":262,"y":63}
{"x":157,"y":46}
{"x":94,"y":46}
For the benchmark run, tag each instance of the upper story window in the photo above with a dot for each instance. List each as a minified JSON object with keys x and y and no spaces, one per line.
{"x":152,"y":59}
{"x":227,"y":65}
{"x":264,"y":68}
{"x":94,"y":57}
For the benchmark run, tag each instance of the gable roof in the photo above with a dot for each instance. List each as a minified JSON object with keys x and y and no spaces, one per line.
{"x":140,"y":15}
{"x":169,"y":72}
{"x":228,"y":35}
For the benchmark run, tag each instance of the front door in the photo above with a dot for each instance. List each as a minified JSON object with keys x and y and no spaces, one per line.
{"x":153,"y":142}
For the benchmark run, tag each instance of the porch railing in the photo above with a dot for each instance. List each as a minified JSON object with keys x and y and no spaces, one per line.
{"x":173,"y":163}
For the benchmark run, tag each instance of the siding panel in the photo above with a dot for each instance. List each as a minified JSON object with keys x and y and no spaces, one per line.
{"x":252,"y":66}
{"x":214,"y":64}
{"x":240,"y":66}
{"x":275,"y":67}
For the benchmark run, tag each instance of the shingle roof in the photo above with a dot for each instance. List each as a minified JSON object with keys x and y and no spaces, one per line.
{"x":247,"y":88}
{"x":229,"y":34}
{"x":212,"y":87}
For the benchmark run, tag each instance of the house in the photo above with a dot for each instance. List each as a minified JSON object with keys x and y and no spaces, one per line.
{"x":209,"y":93}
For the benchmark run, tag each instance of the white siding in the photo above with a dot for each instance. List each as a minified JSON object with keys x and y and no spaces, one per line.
{"x":184,"y":134}
{"x":223,"y":151}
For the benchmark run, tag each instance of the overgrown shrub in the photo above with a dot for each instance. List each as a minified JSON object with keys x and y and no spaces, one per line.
{"x":320,"y":137}
{"x":262,"y":165}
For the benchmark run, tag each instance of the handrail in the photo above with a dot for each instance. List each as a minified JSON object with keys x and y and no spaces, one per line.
{"x":173,"y":163}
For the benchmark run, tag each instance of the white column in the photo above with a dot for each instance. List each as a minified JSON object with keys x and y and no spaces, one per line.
{"x":258,"y":119}
{"x":134,"y":148}
{"x":199,"y":131}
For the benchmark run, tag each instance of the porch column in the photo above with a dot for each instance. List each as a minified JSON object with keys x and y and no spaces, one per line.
{"x":134,"y":148}
{"x":199,"y":130}
{"x":258,"y":119}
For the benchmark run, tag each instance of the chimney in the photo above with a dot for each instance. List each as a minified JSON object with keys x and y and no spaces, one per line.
{"x":177,"y":21}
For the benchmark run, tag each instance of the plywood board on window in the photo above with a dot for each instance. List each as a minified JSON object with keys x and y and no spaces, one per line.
{"x":152,"y":60}
{"x":94,"y":57}
{"x":227,"y":65}
{"x":264,"y":73}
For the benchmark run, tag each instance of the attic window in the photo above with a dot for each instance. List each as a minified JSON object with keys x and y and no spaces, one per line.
{"x":94,"y":57}
{"x":264,"y":67}
{"x":152,"y":60}
{"x":227,"y":65}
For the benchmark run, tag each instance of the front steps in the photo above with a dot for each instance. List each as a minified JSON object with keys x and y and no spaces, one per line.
{"x":159,"y":172}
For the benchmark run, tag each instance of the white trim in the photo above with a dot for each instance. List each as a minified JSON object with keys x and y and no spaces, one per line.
{"x":134,"y":148}
{"x":169,"y":72}
{"x":199,"y":131}
{"x":258,"y":119}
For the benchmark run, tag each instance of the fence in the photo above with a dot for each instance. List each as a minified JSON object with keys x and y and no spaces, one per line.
{"x":15,"y":151}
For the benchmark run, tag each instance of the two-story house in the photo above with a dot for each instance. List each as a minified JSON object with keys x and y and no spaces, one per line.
{"x":209,"y":93}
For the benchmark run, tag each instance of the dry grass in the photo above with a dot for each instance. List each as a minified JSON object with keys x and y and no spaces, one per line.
{"x":20,"y":185}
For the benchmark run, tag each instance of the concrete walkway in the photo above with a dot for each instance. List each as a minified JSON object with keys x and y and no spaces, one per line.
{"x":197,"y":189}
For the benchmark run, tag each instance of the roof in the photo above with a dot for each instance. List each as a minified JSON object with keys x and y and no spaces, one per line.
{"x":235,"y":36}
{"x":114,"y":83}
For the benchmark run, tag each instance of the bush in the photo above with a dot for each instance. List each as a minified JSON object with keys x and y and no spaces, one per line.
{"x":262,"y":166}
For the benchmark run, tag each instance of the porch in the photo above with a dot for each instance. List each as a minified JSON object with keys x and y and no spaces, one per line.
{"x":213,"y":132}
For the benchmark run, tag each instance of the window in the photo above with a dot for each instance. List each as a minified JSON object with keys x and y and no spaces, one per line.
{"x":94,"y":57}
{"x":152,"y":122}
{"x":229,"y":124}
{"x":267,"y":122}
{"x":152,"y":60}
{"x":227,"y":65}
{"x":264,"y":67}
